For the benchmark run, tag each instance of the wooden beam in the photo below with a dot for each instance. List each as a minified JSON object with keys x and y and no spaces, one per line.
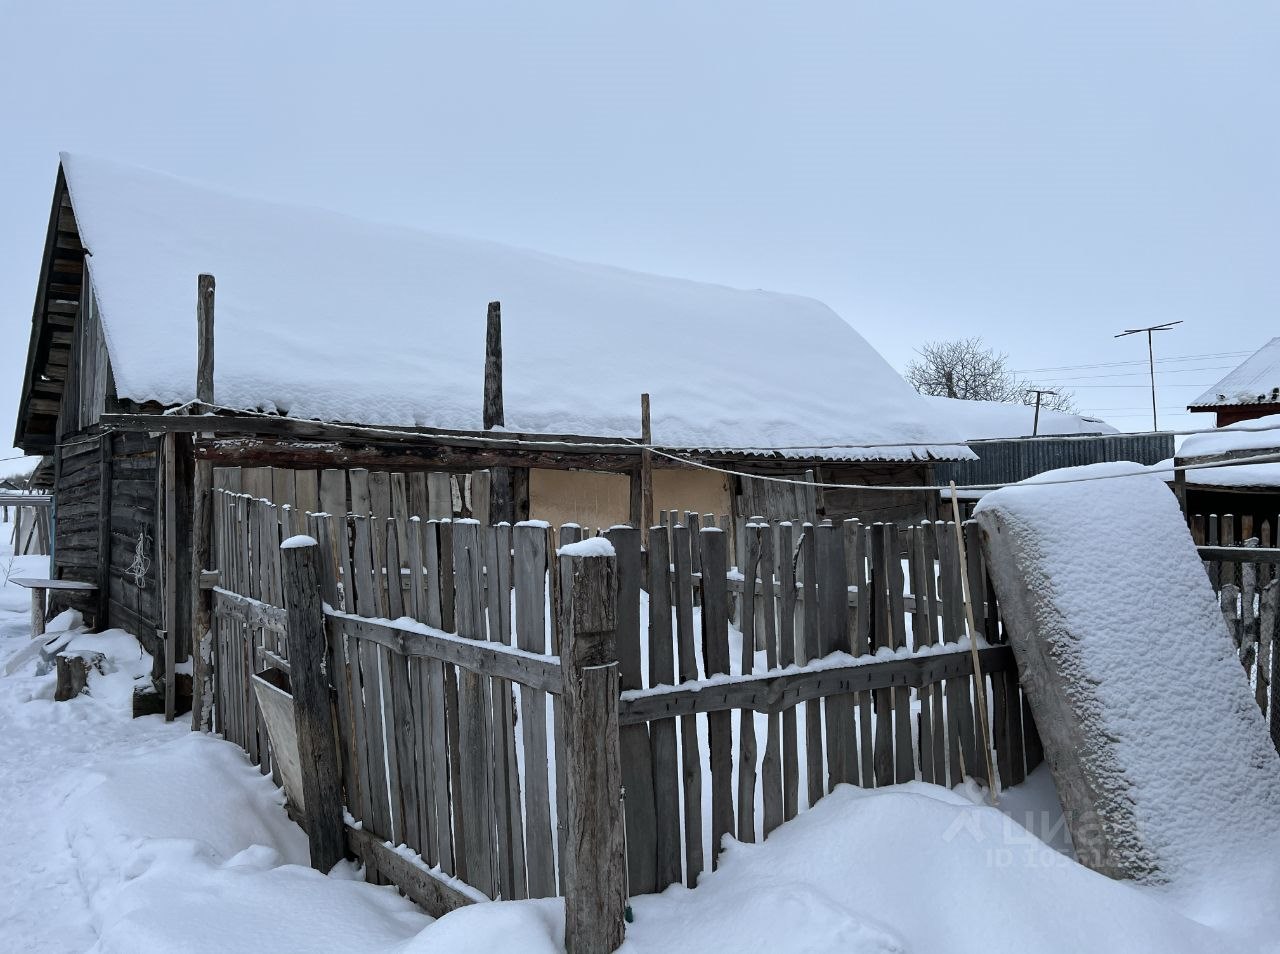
{"x":429,"y":457}
{"x":767,"y":693}
{"x":493,"y":409}
{"x":595,"y":863}
{"x":646,"y":472}
{"x":204,"y":330}
{"x":489,"y":659}
{"x":424,"y":886}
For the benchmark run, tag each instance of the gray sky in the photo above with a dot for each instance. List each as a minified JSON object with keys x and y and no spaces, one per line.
{"x":1042,"y":174}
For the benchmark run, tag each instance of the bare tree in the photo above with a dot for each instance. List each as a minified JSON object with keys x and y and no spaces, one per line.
{"x":969,"y":370}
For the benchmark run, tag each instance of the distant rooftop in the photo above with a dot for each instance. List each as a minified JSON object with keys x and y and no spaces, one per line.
{"x":1255,"y":381}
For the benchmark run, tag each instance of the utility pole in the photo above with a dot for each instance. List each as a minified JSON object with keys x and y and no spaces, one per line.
{"x":1151,"y":360}
{"x":1038,"y":392}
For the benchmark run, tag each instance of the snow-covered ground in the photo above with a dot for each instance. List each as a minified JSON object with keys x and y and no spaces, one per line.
{"x":123,"y":835}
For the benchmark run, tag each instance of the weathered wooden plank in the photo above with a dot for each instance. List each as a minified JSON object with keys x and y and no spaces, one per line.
{"x":715,"y":642}
{"x":774,"y":693}
{"x":858,"y":551}
{"x":440,"y":496}
{"x":662,"y":734}
{"x":506,"y":781}
{"x":787,"y":657}
{"x":317,"y":746}
{"x":690,"y":749}
{"x":370,"y":678}
{"x":771,"y":767}
{"x":808,"y":648}
{"x":637,"y":758}
{"x":746,"y":718}
{"x":474,"y":714}
{"x":833,"y":636}
{"x":436,"y":895}
{"x":530,"y":598}
{"x":904,"y":760}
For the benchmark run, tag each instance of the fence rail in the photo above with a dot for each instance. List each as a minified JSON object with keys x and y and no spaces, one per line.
{"x":464,"y":661}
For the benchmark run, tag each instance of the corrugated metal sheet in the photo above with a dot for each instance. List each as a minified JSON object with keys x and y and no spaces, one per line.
{"x":1001,"y":462}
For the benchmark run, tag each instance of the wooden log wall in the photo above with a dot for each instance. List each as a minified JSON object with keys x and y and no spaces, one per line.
{"x":133,"y":597}
{"x":451,"y":724}
{"x":78,"y":489}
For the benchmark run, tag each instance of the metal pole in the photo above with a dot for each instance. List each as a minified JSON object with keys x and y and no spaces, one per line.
{"x":1151,"y":360}
{"x":1151,"y":363}
{"x":1035,"y":425}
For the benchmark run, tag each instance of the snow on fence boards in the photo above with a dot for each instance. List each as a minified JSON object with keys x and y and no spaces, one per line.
{"x":801,"y":719}
{"x":1243,"y":564}
{"x":429,"y":735}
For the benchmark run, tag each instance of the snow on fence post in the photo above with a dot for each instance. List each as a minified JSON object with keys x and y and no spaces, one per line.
{"x":595,"y":861}
{"x":317,"y":745}
{"x":202,"y":523}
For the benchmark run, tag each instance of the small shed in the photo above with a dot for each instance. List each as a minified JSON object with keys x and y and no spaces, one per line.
{"x":1247,"y":392}
{"x":347,"y":348}
{"x":1239,"y":500}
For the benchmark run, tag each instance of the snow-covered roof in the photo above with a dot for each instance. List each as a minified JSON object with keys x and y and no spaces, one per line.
{"x":1255,"y":381}
{"x":1254,"y":438}
{"x":321,"y":316}
{"x":993,"y":420}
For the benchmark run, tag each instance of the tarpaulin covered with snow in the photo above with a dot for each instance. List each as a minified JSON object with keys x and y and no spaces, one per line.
{"x":1164,"y":764}
{"x":326,"y":317}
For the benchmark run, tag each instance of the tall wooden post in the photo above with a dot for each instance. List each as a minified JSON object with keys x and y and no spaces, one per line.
{"x":646,"y":472}
{"x":312,"y":712}
{"x":501,"y":493}
{"x":202,"y":523}
{"x":595,"y":857}
{"x":493,"y":411}
{"x":204,"y":329}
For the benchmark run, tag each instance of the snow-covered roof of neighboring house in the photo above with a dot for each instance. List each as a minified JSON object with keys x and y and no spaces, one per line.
{"x":1254,"y":438}
{"x":321,"y":316}
{"x":1255,"y":381}
{"x":993,"y":420}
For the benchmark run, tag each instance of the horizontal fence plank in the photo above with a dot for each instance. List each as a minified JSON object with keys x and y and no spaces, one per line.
{"x":777,"y":691}
{"x":1240,"y":554}
{"x":491,"y":659}
{"x":436,"y":894}
{"x":248,"y":610}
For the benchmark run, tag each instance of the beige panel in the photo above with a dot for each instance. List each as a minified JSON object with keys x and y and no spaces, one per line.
{"x":702,"y":491}
{"x":603,"y":500}
{"x":579,"y":496}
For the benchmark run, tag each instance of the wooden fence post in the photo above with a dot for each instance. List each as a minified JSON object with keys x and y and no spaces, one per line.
{"x":317,"y":746}
{"x":201,"y":522}
{"x":595,"y":862}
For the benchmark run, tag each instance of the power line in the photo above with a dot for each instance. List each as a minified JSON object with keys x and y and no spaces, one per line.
{"x":1129,"y":374}
{"x":1117,"y":364}
{"x":801,"y":482}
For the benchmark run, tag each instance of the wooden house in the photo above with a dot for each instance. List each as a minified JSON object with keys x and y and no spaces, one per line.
{"x":1249,"y":391}
{"x":341,"y":347}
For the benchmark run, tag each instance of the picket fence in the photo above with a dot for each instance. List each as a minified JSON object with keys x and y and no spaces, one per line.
{"x":741,"y":695}
{"x":1243,"y":565}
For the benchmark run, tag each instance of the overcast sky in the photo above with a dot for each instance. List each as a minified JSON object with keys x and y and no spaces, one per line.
{"x":1041,"y":174}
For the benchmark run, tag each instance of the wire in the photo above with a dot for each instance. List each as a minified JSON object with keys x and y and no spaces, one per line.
{"x":1129,"y":374}
{"x":1117,"y":364}
{"x":932,"y":488}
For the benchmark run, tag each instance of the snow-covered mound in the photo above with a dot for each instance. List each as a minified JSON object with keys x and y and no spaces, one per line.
{"x":994,"y":420}
{"x":327,"y":317}
{"x":1163,"y":761}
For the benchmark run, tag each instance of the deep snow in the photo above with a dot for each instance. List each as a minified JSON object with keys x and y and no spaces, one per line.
{"x":134,"y":836}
